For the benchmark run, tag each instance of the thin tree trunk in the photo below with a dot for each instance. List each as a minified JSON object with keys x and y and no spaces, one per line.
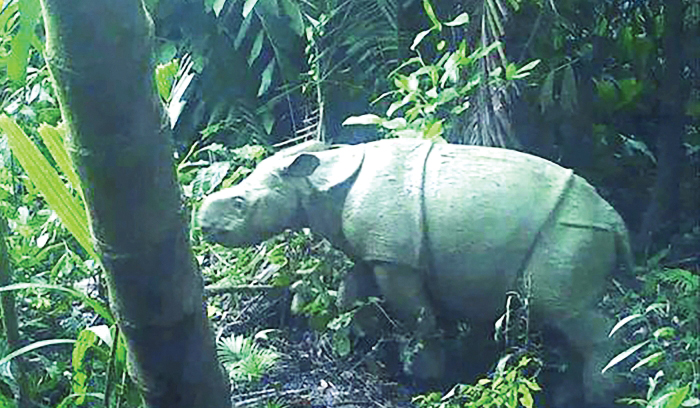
{"x":9,"y":317}
{"x":661,"y":217}
{"x":99,"y":54}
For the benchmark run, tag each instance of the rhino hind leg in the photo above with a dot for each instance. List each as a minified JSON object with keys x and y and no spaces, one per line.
{"x":568,"y":271}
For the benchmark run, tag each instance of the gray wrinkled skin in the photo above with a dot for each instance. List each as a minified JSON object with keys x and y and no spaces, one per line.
{"x":446,"y":230}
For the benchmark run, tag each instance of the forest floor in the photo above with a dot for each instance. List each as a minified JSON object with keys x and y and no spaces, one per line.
{"x":309,"y":373}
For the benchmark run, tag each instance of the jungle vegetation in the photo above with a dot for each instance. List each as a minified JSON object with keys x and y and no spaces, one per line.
{"x":202,"y":90}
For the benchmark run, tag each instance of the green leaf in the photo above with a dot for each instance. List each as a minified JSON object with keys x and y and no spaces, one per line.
{"x":96,"y":305}
{"x":678,"y":397}
{"x":526,"y":399}
{"x":623,"y":322}
{"x":397,"y":105}
{"x":266,"y":78}
{"x":17,"y":60}
{"x":482,"y":52}
{"x":618,"y":358}
{"x":435,"y":130}
{"x":651,"y":360}
{"x":368,"y":119}
{"x":248,"y":7}
{"x":46,"y":179}
{"x":510,"y":71}
{"x":242,"y":30}
{"x":217,"y":6}
{"x":53,"y":138}
{"x":664,"y":333}
{"x":459,"y":20}
{"x":165,"y":78}
{"x":401,"y":82}
{"x":257,"y":47}
{"x":419,"y":38}
{"x":396,"y":123}
{"x":529,"y":66}
{"x":431,"y":14}
{"x":19,"y":56}
{"x":451,"y":69}
{"x":32,"y":347}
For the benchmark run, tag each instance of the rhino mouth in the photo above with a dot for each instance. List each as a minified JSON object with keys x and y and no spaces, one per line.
{"x":217,"y":235}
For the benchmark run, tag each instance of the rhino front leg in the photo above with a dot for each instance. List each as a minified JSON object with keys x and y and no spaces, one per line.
{"x":358,"y":285}
{"x":406,"y":295}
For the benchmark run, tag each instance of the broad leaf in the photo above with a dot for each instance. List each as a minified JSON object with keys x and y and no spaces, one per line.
{"x":368,"y":119}
{"x":460,"y":20}
{"x":46,"y":179}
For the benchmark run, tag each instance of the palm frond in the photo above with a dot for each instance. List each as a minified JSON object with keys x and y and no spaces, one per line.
{"x":354,"y":48}
{"x":488,"y":122}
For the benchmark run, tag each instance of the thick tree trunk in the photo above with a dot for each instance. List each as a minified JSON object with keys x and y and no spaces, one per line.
{"x":661,"y":217}
{"x":99,"y":54}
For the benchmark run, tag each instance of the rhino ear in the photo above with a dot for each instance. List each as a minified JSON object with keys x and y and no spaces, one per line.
{"x":337,"y":166}
{"x":303,"y":165}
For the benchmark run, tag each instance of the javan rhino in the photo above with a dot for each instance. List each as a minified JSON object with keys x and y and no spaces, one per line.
{"x":446,"y":229}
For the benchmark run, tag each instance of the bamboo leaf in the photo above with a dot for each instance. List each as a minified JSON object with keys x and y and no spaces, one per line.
{"x":46,"y":179}
{"x":623,"y":322}
{"x":618,"y":358}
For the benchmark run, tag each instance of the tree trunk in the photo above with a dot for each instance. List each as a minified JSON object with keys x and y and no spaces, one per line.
{"x":661,"y":217}
{"x":99,"y":54}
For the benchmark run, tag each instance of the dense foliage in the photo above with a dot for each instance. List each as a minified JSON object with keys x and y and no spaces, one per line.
{"x":615,"y":95}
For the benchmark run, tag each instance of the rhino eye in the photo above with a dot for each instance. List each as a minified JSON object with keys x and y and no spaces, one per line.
{"x":238,"y":203}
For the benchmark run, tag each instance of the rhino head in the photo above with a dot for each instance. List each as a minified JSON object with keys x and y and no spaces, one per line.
{"x":277,"y":195}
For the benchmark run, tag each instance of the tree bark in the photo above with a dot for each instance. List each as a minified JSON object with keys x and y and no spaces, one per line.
{"x":660,"y":220}
{"x":99,"y":54}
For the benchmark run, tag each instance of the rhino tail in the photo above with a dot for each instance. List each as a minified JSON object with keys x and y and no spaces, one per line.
{"x":625,"y":257}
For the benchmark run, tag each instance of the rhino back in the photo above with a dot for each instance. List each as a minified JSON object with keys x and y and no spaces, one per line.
{"x":484,"y":208}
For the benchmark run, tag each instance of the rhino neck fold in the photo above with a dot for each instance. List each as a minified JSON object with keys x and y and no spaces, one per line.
{"x":321,"y":210}
{"x":384,"y":214}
